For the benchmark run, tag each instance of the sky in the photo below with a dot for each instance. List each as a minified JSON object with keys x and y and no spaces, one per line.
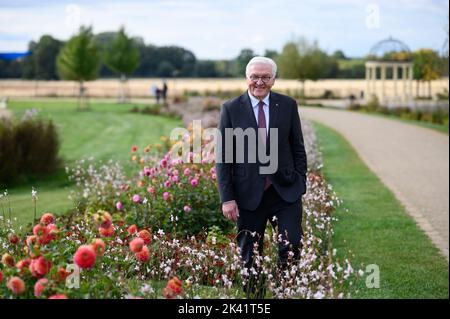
{"x":219,"y":29}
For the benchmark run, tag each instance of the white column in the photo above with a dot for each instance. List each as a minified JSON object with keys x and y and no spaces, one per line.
{"x":383,"y":80}
{"x":374,"y":80}
{"x":394,"y":78}
{"x":404,"y":93}
{"x":410,"y":78}
{"x":366,"y":94}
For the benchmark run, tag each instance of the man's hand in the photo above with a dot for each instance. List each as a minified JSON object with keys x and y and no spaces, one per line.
{"x":230,"y":210}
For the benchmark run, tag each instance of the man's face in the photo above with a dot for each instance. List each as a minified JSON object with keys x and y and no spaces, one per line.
{"x":262,"y":81}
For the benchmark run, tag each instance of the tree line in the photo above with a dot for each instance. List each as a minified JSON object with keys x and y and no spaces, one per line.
{"x":116,"y":53}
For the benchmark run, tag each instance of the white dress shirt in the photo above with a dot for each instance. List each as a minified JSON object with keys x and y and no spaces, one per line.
{"x":255,"y":102}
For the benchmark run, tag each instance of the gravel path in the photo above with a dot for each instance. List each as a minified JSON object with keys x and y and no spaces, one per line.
{"x":410,"y":160}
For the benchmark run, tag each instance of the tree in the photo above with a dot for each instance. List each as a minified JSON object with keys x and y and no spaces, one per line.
{"x":104,"y":41}
{"x":339,"y":55}
{"x":206,"y":69}
{"x":305,"y":61}
{"x":41,"y":63}
{"x":122,"y":56}
{"x":242,"y":60}
{"x":272,"y":54}
{"x":28,"y":69}
{"x":166,"y":69}
{"x":79,"y":60}
{"x":427,"y":67}
{"x":289,"y":62}
{"x":44,"y":57}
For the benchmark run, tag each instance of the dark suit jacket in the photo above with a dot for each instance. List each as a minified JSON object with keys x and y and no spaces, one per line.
{"x":242,"y":181}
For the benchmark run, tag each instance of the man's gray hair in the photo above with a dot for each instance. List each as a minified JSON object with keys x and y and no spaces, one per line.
{"x":261,"y":60}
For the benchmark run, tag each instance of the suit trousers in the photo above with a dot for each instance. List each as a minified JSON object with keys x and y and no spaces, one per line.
{"x":287,"y":223}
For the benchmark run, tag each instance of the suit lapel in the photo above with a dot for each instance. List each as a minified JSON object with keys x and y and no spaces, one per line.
{"x":274,"y":110}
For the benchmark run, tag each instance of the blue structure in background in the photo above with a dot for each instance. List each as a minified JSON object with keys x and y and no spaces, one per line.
{"x":10,"y":56}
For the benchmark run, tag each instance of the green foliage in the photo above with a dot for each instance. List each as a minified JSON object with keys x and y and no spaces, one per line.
{"x":216,"y":236}
{"x":207,"y":69}
{"x":79,"y":59}
{"x":177,"y":207}
{"x":44,"y":58}
{"x":242,"y":60}
{"x":153,"y":109}
{"x":28,"y":148}
{"x":122,"y":55}
{"x":339,"y":55}
{"x":427,"y":65}
{"x":303,"y":60}
{"x":289,"y":62}
{"x":166,"y":69}
{"x":373,"y":104}
{"x":272,"y":54}
{"x":397,"y":56}
{"x":351,"y":68}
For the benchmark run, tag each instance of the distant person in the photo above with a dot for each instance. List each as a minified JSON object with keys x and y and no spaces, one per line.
{"x":164,"y":91}
{"x":158,"y":94}
{"x":352,"y":99}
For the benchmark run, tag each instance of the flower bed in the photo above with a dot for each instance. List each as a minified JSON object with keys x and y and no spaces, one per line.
{"x":161,"y":234}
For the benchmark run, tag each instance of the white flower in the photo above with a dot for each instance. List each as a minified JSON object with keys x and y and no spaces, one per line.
{"x":319,"y":295}
{"x":147,"y":289}
{"x":33,"y":193}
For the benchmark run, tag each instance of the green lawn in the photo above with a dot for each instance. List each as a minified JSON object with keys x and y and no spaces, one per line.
{"x":377,"y":230}
{"x":105,"y":132}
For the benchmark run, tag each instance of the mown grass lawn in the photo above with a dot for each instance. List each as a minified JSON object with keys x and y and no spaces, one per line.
{"x":106,"y":131}
{"x":376,"y":229}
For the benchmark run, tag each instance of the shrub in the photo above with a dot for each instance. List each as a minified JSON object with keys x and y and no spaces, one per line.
{"x":177,"y":197}
{"x":373,"y":104}
{"x":328,"y":94}
{"x":427,"y":117}
{"x":28,"y":148}
{"x":211,"y":104}
{"x":179,"y":99}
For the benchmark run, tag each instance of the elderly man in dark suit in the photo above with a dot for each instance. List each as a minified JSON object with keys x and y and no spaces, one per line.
{"x":249,"y":196}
